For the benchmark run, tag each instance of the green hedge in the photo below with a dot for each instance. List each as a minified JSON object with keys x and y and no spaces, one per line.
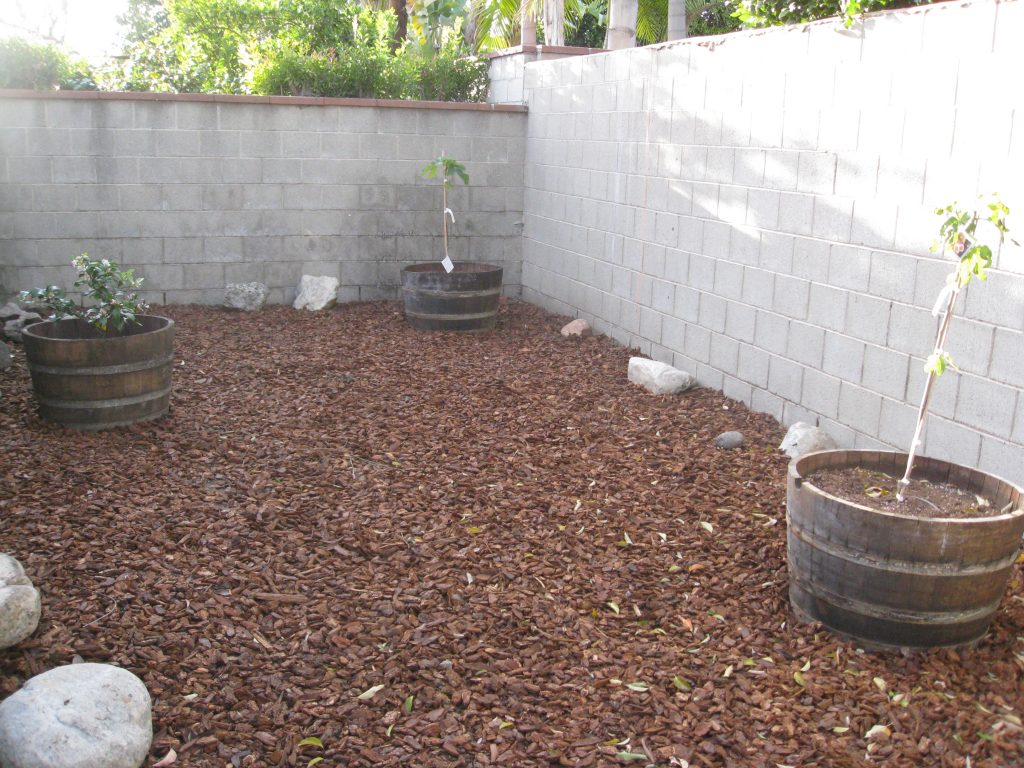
{"x":372,"y":72}
{"x":41,"y":67}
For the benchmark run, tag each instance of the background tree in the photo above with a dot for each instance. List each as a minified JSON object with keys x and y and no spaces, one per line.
{"x":767,"y":13}
{"x":41,"y":67}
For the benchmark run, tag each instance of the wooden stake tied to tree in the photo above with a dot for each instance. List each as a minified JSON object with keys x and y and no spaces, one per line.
{"x":448,"y":167}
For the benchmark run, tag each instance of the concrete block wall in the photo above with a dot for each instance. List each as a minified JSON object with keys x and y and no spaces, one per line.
{"x":508,"y":69}
{"x":198,"y":191}
{"x":757,"y":210}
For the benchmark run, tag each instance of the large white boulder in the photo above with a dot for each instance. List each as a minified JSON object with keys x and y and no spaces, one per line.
{"x":804,"y":438}
{"x":316,"y":292}
{"x":78,"y":716}
{"x":247,"y":297}
{"x":658,"y":378}
{"x":20,"y":606}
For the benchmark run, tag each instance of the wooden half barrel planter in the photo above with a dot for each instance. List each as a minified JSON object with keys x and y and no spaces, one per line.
{"x":465,"y":299}
{"x":90,"y":380}
{"x":891,"y":580}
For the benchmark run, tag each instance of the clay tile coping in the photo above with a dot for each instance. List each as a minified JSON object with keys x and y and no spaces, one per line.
{"x":294,"y":101}
{"x":563,"y":50}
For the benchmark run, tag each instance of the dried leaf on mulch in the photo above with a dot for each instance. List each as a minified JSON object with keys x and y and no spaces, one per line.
{"x":526,"y":559}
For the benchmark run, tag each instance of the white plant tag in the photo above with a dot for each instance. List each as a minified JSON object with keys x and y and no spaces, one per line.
{"x":447,"y":264}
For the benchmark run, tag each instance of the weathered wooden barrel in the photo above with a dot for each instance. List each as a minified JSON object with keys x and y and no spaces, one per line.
{"x":893,"y":580}
{"x":464,"y":300}
{"x":89,"y":380}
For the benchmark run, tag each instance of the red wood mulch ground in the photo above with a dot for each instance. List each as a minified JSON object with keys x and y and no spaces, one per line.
{"x":554,"y":565}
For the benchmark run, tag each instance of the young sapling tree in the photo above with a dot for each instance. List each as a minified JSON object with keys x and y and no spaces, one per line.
{"x":958,"y":234}
{"x":447,"y":167}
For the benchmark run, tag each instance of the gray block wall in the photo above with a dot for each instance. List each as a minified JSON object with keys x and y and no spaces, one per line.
{"x":757,"y":210}
{"x":507,"y":69}
{"x":195,"y":192}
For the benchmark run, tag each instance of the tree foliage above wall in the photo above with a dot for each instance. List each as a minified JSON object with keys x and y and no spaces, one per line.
{"x":41,"y":67}
{"x":291,"y":47}
{"x":769,"y":13}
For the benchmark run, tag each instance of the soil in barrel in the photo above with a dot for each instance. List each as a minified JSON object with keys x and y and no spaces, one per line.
{"x":876,"y":489}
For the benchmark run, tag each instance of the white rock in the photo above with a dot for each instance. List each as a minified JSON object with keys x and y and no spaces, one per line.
{"x":20,"y":610}
{"x":658,"y":378}
{"x":11,"y":572}
{"x":247,"y":297}
{"x":317,"y":292}
{"x":578,"y":327}
{"x":20,"y":606}
{"x":803,"y":438}
{"x":78,"y":716}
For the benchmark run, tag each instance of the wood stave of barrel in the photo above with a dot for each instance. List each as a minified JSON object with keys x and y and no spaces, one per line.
{"x":891,"y":580}
{"x":88,"y":380}
{"x":466,"y":299}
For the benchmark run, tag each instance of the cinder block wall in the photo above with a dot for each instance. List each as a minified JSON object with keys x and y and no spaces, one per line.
{"x":757,"y":210}
{"x":195,"y":192}
{"x":508,"y":69}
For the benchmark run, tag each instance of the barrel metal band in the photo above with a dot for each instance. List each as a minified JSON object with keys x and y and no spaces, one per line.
{"x":101,"y":370}
{"x":452,"y":294}
{"x":430,"y":316}
{"x":850,"y":554}
{"x":111,"y":403}
{"x":886,"y":613}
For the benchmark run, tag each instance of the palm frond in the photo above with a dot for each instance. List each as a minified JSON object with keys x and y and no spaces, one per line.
{"x":652,"y":21}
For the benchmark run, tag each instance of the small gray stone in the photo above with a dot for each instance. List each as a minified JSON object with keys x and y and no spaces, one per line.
{"x":20,"y":606}
{"x":316,"y":292}
{"x":10,"y":311}
{"x":729,"y":440}
{"x":658,"y":378}
{"x":578,"y":327}
{"x":803,"y":438}
{"x":78,"y":716}
{"x":13,"y":328}
{"x":247,"y":297}
{"x":5,"y":357}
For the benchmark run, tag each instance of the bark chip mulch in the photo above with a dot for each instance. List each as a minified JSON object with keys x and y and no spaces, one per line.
{"x":458,"y":550}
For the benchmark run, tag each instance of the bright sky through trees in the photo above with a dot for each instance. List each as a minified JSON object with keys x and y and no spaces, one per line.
{"x":86,"y":27}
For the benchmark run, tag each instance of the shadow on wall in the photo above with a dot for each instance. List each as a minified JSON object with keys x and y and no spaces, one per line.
{"x":770,"y":231}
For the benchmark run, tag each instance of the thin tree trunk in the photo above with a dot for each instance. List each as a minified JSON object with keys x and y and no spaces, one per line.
{"x":677,"y":19}
{"x":922,"y":411}
{"x":398,"y":6}
{"x":621,"y":25}
{"x":554,"y":22}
